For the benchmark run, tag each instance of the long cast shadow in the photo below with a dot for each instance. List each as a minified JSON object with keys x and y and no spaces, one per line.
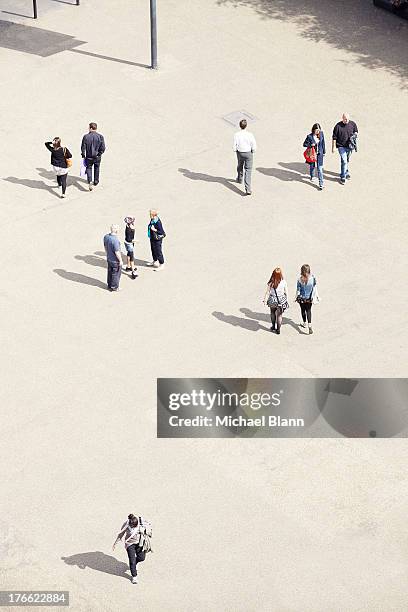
{"x":110,"y":59}
{"x":247,"y":324}
{"x":80,"y":278}
{"x":262,"y":316}
{"x":140,"y":263}
{"x":99,"y":562}
{"x":370,"y":36}
{"x":32,"y":183}
{"x":208,"y":178}
{"x":72,"y":180}
{"x":304,"y":168}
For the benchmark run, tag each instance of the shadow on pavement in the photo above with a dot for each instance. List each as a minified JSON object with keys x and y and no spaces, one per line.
{"x":247,"y":324}
{"x":80,"y":184}
{"x":208,"y":178}
{"x":374,"y":38}
{"x":98,"y":561}
{"x":110,"y":59}
{"x":35,"y":41}
{"x":32,"y":183}
{"x":296,"y":171}
{"x":139,"y":263}
{"x":262,"y":316}
{"x":80,"y":278}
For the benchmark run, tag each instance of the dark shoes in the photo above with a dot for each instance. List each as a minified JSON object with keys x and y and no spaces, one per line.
{"x":342,"y":181}
{"x":248,"y":192}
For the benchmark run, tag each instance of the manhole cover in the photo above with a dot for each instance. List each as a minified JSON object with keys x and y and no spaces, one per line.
{"x":235,"y":117}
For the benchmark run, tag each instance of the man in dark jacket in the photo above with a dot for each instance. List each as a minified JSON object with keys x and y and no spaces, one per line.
{"x":343,"y":132}
{"x":92,"y":149}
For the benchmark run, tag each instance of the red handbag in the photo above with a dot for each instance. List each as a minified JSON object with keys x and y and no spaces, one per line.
{"x":310,"y":155}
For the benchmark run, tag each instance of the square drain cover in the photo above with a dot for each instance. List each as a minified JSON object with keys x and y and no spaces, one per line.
{"x":235,"y":117}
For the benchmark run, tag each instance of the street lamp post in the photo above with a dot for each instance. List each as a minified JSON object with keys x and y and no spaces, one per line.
{"x":35,"y":8}
{"x":153,"y":34}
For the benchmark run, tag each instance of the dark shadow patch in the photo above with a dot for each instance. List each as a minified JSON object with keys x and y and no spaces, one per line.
{"x":99,"y":562}
{"x":208,"y":178}
{"x":80,"y":278}
{"x":374,"y":38}
{"x":35,"y":41}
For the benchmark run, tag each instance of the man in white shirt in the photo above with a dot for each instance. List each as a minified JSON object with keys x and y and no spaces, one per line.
{"x":245,"y":146}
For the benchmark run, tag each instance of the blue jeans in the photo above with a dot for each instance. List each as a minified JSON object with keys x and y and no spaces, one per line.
{"x":319,"y":172}
{"x":344,"y":153}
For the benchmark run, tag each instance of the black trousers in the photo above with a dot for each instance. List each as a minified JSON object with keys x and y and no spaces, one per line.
{"x":156,"y":248}
{"x":136,"y":555}
{"x":114,"y":273}
{"x":306,"y":310}
{"x":94,"y":163}
{"x":62,"y":181}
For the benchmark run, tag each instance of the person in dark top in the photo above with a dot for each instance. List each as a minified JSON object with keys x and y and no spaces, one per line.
{"x":156,"y":234}
{"x":59,"y":156}
{"x":316,"y":140}
{"x":129,"y":245}
{"x":92,"y":149}
{"x":344,"y":140}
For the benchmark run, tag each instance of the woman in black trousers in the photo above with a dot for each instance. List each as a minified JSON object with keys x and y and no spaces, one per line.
{"x":156,"y":234}
{"x":59,"y":156}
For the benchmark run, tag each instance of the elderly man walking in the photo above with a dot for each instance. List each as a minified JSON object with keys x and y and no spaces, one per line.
{"x":245,"y":147}
{"x":114,"y":257}
{"x":344,"y":139}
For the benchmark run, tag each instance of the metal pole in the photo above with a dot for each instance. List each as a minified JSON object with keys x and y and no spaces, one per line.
{"x":35,"y":8}
{"x":153,"y":34}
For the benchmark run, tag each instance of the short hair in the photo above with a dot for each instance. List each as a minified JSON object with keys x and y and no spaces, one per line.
{"x":243,"y":123}
{"x":114,"y":228}
{"x":133,"y":519}
{"x":93,"y":126}
{"x":154,"y":211}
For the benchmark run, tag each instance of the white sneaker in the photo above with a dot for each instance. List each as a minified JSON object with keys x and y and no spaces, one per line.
{"x":160,"y":267}
{"x":156,"y":264}
{"x":134,"y":579}
{"x":151,"y":263}
{"x":302,"y":325}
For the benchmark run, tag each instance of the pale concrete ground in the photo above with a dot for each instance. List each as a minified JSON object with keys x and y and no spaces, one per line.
{"x":281,"y":525}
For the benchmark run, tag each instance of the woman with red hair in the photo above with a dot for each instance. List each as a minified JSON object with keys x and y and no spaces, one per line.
{"x":277,"y":300}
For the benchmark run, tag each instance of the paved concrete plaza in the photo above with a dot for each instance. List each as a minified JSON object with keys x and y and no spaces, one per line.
{"x":272,"y":525}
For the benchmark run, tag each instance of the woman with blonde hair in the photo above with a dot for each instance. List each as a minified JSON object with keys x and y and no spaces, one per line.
{"x":60,"y":160}
{"x":277,"y":300}
{"x":156,"y":234}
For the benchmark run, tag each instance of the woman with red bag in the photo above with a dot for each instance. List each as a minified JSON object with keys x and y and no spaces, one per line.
{"x":315,"y":152}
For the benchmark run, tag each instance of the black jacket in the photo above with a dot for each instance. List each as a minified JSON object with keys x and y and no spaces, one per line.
{"x":159,"y":227}
{"x":57,"y":155}
{"x":93,"y":145}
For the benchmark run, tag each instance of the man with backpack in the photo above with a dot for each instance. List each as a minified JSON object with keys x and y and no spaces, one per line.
{"x":137,"y":532}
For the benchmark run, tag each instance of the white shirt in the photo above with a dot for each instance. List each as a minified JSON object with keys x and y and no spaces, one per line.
{"x":281,"y":289}
{"x":244,"y":142}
